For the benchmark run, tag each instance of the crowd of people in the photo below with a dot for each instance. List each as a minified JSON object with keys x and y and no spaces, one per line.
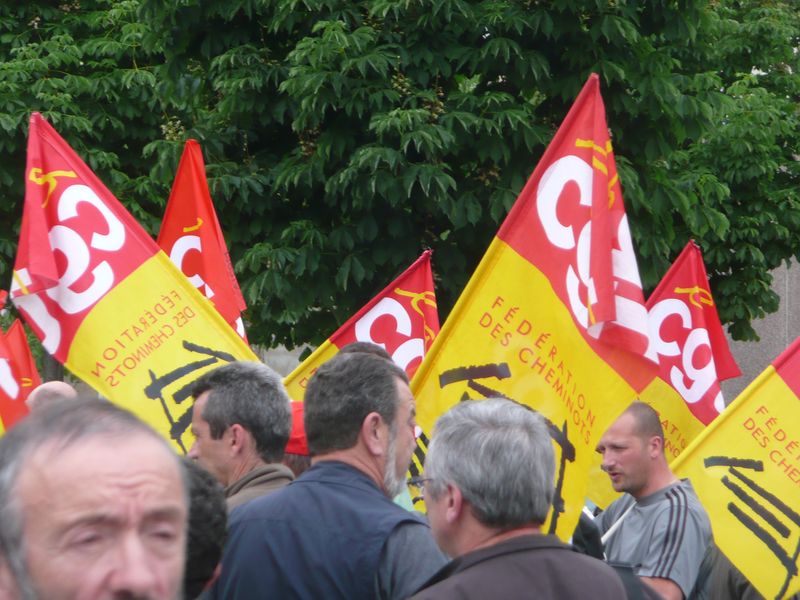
{"x":282,"y":500}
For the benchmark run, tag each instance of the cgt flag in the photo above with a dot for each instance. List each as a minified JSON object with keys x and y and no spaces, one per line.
{"x":554,"y":315}
{"x":18,"y":374}
{"x":745,"y":467}
{"x":191,"y":236}
{"x":402,"y":319}
{"x":687,"y":340}
{"x":103,"y":298}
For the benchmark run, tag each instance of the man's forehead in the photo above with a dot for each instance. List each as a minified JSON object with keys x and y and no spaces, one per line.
{"x":105,"y":450}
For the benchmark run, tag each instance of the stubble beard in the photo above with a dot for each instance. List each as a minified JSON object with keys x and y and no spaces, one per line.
{"x":393,"y":481}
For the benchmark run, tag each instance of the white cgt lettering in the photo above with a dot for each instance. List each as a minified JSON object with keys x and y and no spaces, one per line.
{"x":700,"y":379}
{"x":180,"y":249}
{"x":581,"y":290}
{"x":8,"y":384}
{"x":77,"y":253}
{"x":408,"y":350}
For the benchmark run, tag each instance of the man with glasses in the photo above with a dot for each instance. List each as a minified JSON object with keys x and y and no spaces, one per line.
{"x":488,"y":487}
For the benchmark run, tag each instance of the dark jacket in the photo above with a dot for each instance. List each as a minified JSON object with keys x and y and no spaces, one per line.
{"x":530,"y":566}
{"x":319,"y":537}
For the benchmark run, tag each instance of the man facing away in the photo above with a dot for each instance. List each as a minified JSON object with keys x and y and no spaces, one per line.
{"x":334,"y":532}
{"x":488,"y":486}
{"x":93,"y":506}
{"x":658,"y":528}
{"x":241,"y":421}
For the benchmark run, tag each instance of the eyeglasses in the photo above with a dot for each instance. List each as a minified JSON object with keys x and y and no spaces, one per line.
{"x":419,"y":483}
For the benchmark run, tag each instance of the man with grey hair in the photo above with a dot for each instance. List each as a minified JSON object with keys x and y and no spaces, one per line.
{"x":241,"y":422}
{"x":93,"y":504}
{"x":488,"y":487}
{"x":334,"y":532}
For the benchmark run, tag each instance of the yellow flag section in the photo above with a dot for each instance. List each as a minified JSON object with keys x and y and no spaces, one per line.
{"x":548,"y":318}
{"x":145,"y":354}
{"x":745,"y":467}
{"x":103,"y":298}
{"x":297,"y":381}
{"x":510,"y":343}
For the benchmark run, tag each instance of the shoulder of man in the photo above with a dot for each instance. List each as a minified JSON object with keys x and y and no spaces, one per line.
{"x":409,"y":558}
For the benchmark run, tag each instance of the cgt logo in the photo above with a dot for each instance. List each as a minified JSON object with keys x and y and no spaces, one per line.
{"x":560,"y":225}
{"x":87,"y":232}
{"x":686,"y":351}
{"x":389,"y":325}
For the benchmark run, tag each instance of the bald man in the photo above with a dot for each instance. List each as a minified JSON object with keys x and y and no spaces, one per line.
{"x":48,"y":392}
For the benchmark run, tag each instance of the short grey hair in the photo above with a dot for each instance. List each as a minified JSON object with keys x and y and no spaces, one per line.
{"x":252,"y":395}
{"x":343,"y":392}
{"x":56,"y":427}
{"x":500,"y":455}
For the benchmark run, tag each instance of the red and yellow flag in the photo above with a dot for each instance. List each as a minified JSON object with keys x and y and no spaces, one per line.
{"x":402,"y":319}
{"x":103,"y":298}
{"x":554,"y":315}
{"x":18,"y":377}
{"x":191,"y":236}
{"x":687,"y":341}
{"x":745,"y":467}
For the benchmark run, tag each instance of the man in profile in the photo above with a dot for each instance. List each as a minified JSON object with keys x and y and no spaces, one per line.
{"x":92,"y":505}
{"x":241,"y":422}
{"x":334,"y":532}
{"x":658,"y":528}
{"x":488,"y":487}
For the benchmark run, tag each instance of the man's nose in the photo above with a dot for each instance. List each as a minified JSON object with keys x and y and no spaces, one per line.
{"x":606,"y":463}
{"x":135,"y":572}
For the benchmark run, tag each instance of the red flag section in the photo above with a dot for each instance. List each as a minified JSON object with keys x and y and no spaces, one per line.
{"x":18,"y":374}
{"x":569,"y":222}
{"x":191,"y":236}
{"x":104,"y":299}
{"x":687,"y":337}
{"x":554,"y":315}
{"x":402,"y":319}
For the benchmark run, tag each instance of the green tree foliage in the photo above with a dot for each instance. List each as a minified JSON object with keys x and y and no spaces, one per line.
{"x":82,"y":65}
{"x":342,"y":137}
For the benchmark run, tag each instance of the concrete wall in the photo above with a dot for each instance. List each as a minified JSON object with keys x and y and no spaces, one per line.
{"x":776,"y":331}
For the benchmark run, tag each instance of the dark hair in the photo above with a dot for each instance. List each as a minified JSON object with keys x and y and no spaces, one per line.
{"x":252,"y":395}
{"x":208,"y":529}
{"x":343,"y":392}
{"x":648,"y":423}
{"x":367,"y":347}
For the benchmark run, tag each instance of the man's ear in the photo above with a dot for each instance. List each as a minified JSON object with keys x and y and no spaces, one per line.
{"x":655,"y":445}
{"x":454,"y":504}
{"x":374,"y":434}
{"x":238,"y":438}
